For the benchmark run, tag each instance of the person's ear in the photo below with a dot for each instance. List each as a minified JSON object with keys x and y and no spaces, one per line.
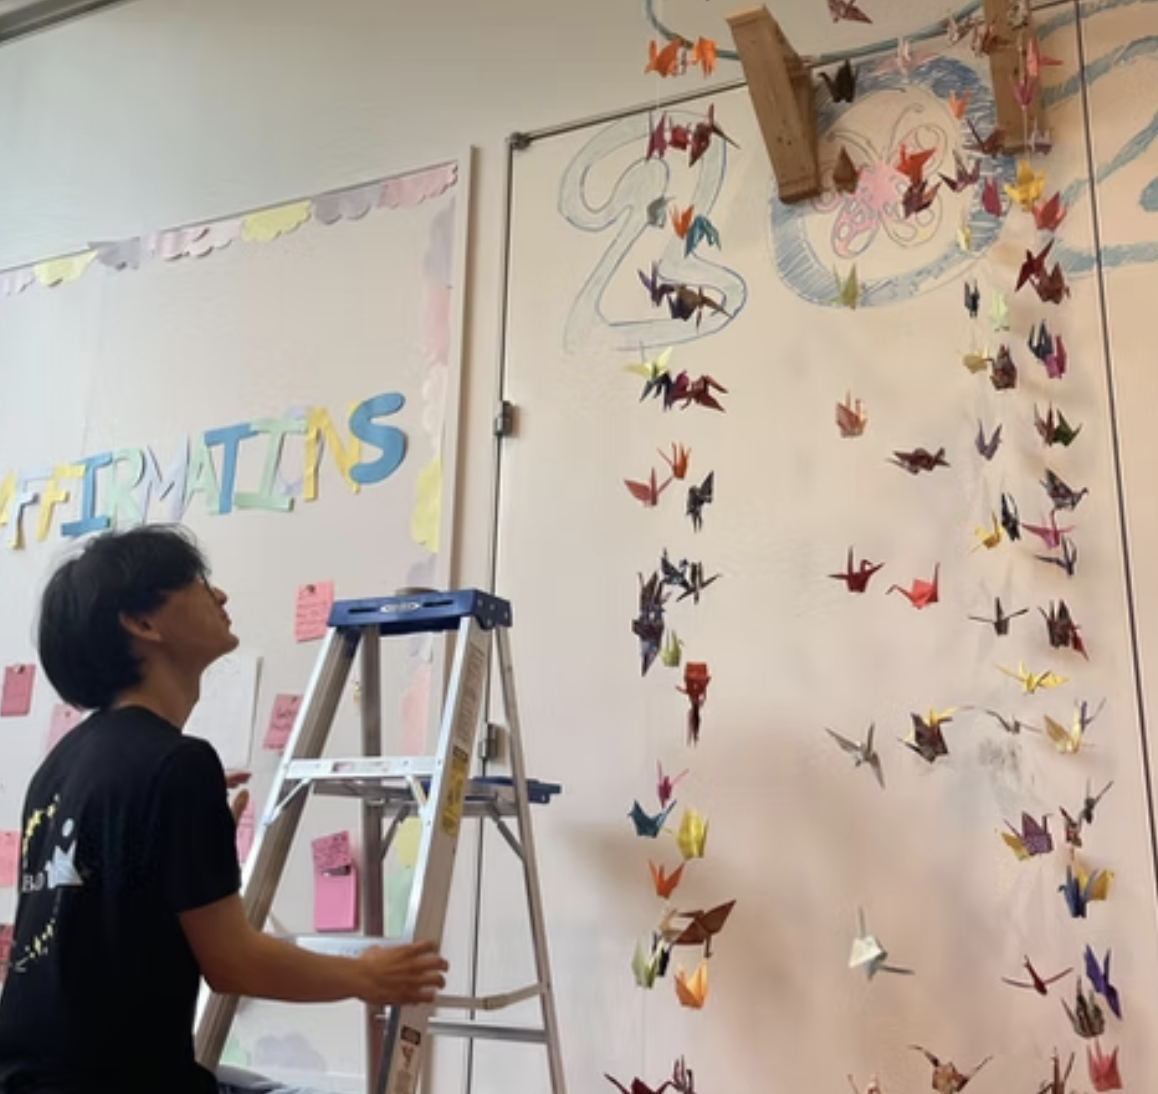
{"x":140,"y":627}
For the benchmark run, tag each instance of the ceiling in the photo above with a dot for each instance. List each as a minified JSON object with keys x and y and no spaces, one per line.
{"x":20,"y":17}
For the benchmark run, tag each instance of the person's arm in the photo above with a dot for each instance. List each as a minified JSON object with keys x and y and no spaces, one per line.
{"x":200,"y":880}
{"x":235,"y":959}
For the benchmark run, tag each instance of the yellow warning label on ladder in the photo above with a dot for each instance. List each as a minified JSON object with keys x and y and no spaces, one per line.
{"x":456,"y":790}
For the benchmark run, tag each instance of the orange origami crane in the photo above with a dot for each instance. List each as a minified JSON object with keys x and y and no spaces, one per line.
{"x":677,"y":461}
{"x":692,"y":991}
{"x":665,"y":883}
{"x":913,"y":166}
{"x":669,"y":61}
{"x":681,"y":220}
{"x":703,"y":53}
{"x":923,"y":593}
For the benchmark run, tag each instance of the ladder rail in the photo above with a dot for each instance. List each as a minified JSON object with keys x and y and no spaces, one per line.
{"x":530,"y":863}
{"x":372,"y":885}
{"x":406,"y":1027}
{"x":272,"y":841}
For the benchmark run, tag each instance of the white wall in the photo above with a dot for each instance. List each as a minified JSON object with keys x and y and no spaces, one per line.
{"x":167,"y":111}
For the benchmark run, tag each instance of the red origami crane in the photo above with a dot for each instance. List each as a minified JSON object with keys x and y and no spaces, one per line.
{"x":647,"y":492}
{"x":923,"y":593}
{"x":1103,"y":1069}
{"x":857,"y":578}
{"x":696,"y":681}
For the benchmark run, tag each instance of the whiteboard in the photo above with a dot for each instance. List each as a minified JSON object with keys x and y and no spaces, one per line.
{"x":798,"y":836}
{"x":310,"y":306}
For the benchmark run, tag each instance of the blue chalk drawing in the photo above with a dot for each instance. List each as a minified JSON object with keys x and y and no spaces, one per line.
{"x":924,"y":123}
{"x":589,"y":327}
{"x":808,"y":276}
{"x":856,"y":223}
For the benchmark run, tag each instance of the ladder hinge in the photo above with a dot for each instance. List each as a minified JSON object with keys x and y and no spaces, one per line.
{"x":505,"y":419}
{"x":489,"y":742}
{"x":519,"y":142}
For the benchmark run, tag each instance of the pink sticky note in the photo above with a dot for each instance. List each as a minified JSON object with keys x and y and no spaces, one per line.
{"x":245,"y":825}
{"x":5,"y":948}
{"x":335,"y":884}
{"x":16,"y":700}
{"x":281,"y":722}
{"x":64,"y":720}
{"x":312,"y":610}
{"x":332,"y":853}
{"x":9,"y":858}
{"x":336,"y":901}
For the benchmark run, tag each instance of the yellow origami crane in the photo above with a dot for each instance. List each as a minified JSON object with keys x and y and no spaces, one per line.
{"x":977,"y":360}
{"x":671,"y":651}
{"x":988,"y":537}
{"x":965,"y":234}
{"x":1069,"y":741}
{"x":645,"y":964}
{"x":934,"y":718}
{"x":1031,"y":681}
{"x":693,"y":835}
{"x":847,"y":289}
{"x":1100,"y":889}
{"x":1029,"y":187}
{"x":692,"y":990}
{"x":653,"y":368}
{"x":999,"y":312}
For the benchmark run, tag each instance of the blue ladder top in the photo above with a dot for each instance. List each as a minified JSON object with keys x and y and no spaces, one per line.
{"x":422,"y":612}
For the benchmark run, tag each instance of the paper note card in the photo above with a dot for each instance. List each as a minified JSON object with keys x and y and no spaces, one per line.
{"x":224,"y":714}
{"x":335,"y":884}
{"x":9,"y":858}
{"x":64,"y":720}
{"x":312,"y":611}
{"x":5,"y":948}
{"x":332,"y":853}
{"x":281,"y":722}
{"x":245,"y":825}
{"x":16,"y":700}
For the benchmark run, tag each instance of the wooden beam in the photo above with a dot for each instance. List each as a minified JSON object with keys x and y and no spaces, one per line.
{"x":1005,"y":66}
{"x":784,"y":100}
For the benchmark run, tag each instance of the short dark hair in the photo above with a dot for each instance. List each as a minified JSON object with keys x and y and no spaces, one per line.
{"x":84,"y":648}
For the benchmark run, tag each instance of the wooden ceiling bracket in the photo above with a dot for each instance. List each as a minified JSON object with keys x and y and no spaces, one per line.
{"x":784,"y":100}
{"x":1005,"y":65}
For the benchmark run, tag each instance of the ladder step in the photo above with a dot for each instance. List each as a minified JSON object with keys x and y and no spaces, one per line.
{"x":485,"y":1031}
{"x":341,"y":944}
{"x":399,"y":615}
{"x":373,"y":767}
{"x":388,"y":781}
{"x":337,"y":944}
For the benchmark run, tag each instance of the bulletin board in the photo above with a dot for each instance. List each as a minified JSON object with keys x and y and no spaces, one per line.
{"x":285,"y":382}
{"x":802,"y":838}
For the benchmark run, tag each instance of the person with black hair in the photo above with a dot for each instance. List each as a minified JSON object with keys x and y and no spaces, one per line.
{"x":129,"y":879}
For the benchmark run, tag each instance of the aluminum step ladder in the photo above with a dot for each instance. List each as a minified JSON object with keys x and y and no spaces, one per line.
{"x":437,"y":789}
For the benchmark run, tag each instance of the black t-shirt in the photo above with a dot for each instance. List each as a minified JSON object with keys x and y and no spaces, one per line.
{"x":126,"y":825}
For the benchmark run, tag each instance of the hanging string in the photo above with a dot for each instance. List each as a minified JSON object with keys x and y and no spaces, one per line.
{"x":873,"y":49}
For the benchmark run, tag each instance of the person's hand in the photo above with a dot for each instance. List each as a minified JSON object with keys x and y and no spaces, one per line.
{"x":233,"y":780}
{"x":396,"y":975}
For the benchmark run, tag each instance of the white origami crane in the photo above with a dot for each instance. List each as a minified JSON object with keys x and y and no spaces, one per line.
{"x":869,"y":954}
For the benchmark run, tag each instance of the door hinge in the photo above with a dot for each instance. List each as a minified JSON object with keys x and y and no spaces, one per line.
{"x":490,"y":741}
{"x":505,"y":419}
